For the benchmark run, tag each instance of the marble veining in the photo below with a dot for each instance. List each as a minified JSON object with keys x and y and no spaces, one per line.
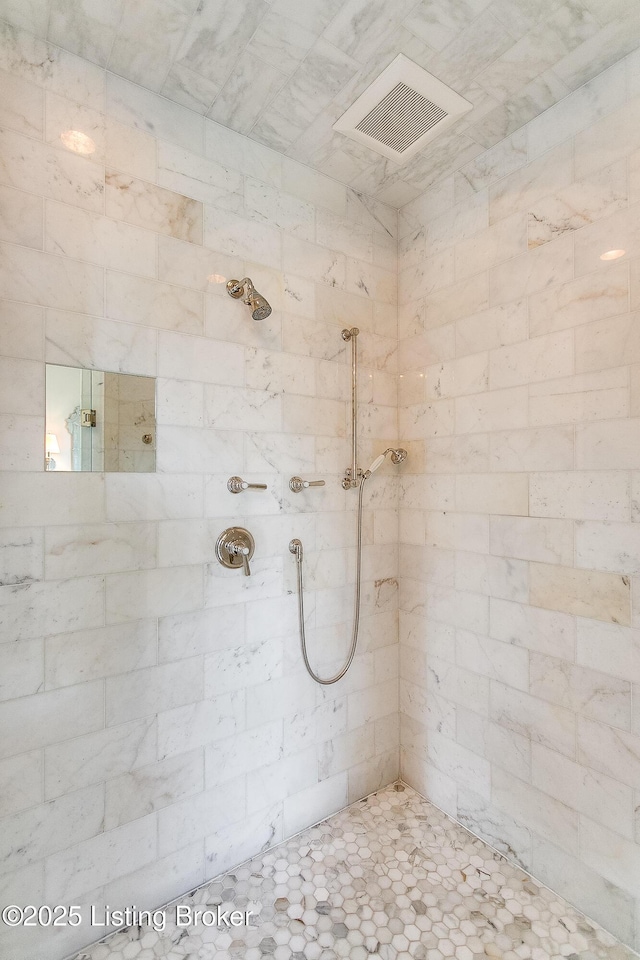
{"x":283,"y":76}
{"x":390,"y":877}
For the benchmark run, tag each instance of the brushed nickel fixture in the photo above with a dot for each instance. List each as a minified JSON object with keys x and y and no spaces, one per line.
{"x":354,"y":477}
{"x":297,"y":484}
{"x":352,"y":474}
{"x":260,"y":307}
{"x":398,"y":455}
{"x":234,"y":548}
{"x":238,"y":485}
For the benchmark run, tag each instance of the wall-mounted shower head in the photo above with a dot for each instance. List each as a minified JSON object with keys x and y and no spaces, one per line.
{"x":397,"y":456}
{"x":260,"y":308}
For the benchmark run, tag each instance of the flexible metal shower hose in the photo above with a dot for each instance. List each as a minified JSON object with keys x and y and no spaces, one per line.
{"x":356,"y":606}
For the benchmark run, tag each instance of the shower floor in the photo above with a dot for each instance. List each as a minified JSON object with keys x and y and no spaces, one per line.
{"x":389,"y":878}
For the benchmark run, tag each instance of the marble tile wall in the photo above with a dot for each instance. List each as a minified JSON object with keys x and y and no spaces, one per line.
{"x":519,"y":536}
{"x":157,"y":724}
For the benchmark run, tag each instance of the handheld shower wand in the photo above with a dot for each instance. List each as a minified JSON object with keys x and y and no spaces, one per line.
{"x":397,"y":456}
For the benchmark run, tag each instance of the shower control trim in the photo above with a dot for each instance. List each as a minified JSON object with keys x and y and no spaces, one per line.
{"x":234,"y":548}
{"x":238,"y":485}
{"x":297,"y":484}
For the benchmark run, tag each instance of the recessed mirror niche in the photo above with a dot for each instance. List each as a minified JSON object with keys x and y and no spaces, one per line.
{"x":99,"y":421}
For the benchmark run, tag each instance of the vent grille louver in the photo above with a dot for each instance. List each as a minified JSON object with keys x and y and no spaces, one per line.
{"x":401,"y":111}
{"x":402,"y":117}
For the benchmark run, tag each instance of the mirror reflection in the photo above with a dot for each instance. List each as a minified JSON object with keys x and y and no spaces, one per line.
{"x":99,"y":421}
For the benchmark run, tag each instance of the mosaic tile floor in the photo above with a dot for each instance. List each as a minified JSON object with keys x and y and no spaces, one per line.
{"x":389,"y":878}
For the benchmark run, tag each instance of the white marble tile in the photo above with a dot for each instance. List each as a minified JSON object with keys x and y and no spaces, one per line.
{"x":541,"y":448}
{"x":152,"y":787}
{"x":535,"y":629}
{"x":136,"y":497}
{"x":147,"y":205}
{"x":22,"y":669}
{"x":98,"y":548}
{"x":21,"y":330}
{"x":102,"y":858}
{"x":612,"y":751}
{"x":139,"y":300}
{"x":21,"y":779}
{"x":599,"y":495}
{"x":29,"y":610}
{"x":21,"y":555}
{"x":143,"y":693}
{"x":529,"y":538}
{"x":533,"y":271}
{"x":618,"y":231}
{"x":43,"y":830}
{"x":492,"y":493}
{"x":89,"y":342}
{"x":609,"y":648}
{"x":584,"y":691}
{"x":138,"y":594}
{"x":50,"y":66}
{"x":611,"y":854}
{"x":200,"y":722}
{"x":579,"y":204}
{"x":98,"y":756}
{"x":46,"y":718}
{"x":609,"y":442}
{"x":41,"y":169}
{"x":129,"y":151}
{"x":492,"y":411}
{"x":548,"y":817}
{"x":607,"y":546}
{"x":538,"y":179}
{"x":501,"y":241}
{"x":549,"y":724}
{"x":186,"y":821}
{"x":22,"y":107}
{"x":492,"y":328}
{"x":589,"y":298}
{"x":51,"y":281}
{"x":83,"y":235}
{"x":136,"y":107}
{"x":21,"y":217}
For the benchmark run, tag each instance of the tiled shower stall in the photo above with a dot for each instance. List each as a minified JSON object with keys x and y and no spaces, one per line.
{"x":158,"y":726}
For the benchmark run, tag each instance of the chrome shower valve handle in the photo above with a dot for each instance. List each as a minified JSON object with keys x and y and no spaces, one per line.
{"x":297,"y":484}
{"x":234,"y":549}
{"x":238,"y":485}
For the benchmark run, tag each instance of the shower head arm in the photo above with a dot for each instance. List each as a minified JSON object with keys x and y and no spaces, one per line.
{"x":238,"y":288}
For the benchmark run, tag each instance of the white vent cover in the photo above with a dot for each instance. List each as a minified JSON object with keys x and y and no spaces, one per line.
{"x":401,"y":111}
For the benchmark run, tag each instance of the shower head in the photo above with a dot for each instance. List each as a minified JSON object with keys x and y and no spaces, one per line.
{"x":397,"y":456}
{"x":260,"y":308}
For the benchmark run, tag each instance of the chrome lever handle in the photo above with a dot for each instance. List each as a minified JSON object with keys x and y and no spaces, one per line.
{"x":297,"y":484}
{"x":239,"y":549}
{"x":238,"y":485}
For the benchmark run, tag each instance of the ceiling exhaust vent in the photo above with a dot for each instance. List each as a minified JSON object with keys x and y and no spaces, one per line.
{"x":401,"y":111}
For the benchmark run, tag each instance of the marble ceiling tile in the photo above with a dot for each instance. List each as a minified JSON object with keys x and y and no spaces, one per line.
{"x":438,"y":24}
{"x":31,"y":15}
{"x":276,"y":129}
{"x":219,"y":29}
{"x":536,"y":52}
{"x":281,"y":42}
{"x":247,"y":92}
{"x":313,"y":15}
{"x":519,"y":16}
{"x":471,"y":51}
{"x":144,"y":55}
{"x":86,"y":29}
{"x":361,"y":25}
{"x":601,"y":51}
{"x":508,"y":117}
{"x":188,"y":88}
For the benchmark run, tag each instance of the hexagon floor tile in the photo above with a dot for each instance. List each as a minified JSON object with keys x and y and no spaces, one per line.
{"x":389,"y":878}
